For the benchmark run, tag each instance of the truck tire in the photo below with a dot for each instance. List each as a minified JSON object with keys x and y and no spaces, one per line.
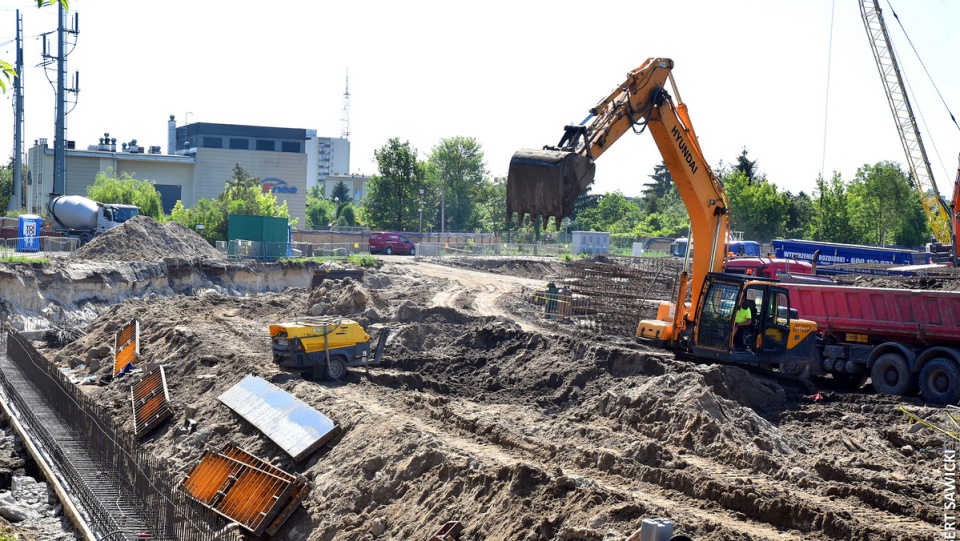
{"x":940,"y":381}
{"x":335,"y":369}
{"x":389,"y":251}
{"x":891,"y":375}
{"x":413,"y":251}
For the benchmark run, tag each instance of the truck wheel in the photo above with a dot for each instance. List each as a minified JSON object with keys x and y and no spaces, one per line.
{"x":413,"y":251}
{"x":891,"y":375}
{"x":336,"y":369}
{"x":940,"y":382}
{"x":389,"y":251}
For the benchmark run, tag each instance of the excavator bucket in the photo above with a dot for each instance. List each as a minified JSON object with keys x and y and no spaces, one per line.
{"x":546,"y":183}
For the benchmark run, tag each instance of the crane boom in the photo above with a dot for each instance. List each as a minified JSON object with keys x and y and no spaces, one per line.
{"x":934,"y":207}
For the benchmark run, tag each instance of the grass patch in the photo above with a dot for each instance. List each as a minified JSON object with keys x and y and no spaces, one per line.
{"x":363,"y":260}
{"x":11,"y":258}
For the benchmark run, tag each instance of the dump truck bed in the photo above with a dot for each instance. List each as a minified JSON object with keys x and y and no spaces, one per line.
{"x":913,"y":316}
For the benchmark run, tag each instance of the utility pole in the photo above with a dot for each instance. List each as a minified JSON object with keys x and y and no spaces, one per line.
{"x":60,"y":143}
{"x":14,"y":203}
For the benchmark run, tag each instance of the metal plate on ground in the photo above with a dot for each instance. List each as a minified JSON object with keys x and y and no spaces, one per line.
{"x":296,"y":427}
{"x":245,"y":489}
{"x":151,"y":401}
{"x":126,"y":346}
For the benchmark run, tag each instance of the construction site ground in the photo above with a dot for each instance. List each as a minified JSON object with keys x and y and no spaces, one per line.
{"x":483,"y":412}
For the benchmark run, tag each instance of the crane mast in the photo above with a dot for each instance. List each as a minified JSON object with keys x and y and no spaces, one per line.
{"x":933,"y":206}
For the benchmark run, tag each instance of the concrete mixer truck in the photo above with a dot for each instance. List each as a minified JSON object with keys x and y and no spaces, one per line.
{"x":82,"y":218}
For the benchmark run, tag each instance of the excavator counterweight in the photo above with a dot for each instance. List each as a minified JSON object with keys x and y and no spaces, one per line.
{"x":546,"y":183}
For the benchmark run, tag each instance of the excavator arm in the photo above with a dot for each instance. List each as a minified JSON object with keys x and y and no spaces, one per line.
{"x":547,"y":182}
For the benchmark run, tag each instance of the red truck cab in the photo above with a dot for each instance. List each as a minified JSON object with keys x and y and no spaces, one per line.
{"x":782,"y":270}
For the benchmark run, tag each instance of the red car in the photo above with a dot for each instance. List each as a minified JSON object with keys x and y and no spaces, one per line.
{"x":391,"y":243}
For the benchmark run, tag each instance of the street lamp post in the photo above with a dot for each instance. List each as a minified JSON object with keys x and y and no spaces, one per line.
{"x":421,"y":215}
{"x":336,"y":214}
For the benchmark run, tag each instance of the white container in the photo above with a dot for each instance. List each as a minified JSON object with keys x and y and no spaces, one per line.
{"x":656,"y":529}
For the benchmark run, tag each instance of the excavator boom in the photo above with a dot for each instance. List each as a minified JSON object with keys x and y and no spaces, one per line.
{"x":547,"y":182}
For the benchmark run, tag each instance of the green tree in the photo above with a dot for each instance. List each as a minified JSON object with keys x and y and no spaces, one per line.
{"x":831,"y":218}
{"x":493,"y":198}
{"x":756,"y":207}
{"x":614,"y":214}
{"x":914,"y":229}
{"x":393,"y":197}
{"x":655,"y":191}
{"x":206,"y":212}
{"x":241,"y":195}
{"x":6,"y":184}
{"x":800,"y":212}
{"x":320,"y":211}
{"x":124,"y":189}
{"x":878,"y":196}
{"x":341,"y":193}
{"x":671,"y":220}
{"x":458,"y":162}
{"x":748,"y":167}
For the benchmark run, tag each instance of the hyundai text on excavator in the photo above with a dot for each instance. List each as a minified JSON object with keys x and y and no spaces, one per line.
{"x":547,"y":182}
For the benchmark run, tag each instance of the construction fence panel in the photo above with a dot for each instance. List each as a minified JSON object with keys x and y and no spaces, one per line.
{"x":141,"y":477}
{"x":39,"y":245}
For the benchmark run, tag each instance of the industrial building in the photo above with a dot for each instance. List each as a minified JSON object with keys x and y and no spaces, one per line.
{"x":199,"y":161}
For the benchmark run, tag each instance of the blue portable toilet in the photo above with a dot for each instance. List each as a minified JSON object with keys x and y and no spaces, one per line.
{"x":28,"y":233}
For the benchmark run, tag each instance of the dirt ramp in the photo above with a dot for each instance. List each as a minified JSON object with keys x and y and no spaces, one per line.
{"x":145,"y":239}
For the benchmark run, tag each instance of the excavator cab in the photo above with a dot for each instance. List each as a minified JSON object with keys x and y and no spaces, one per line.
{"x":547,"y":182}
{"x":777,"y":335}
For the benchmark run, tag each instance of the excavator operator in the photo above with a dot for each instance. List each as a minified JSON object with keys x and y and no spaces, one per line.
{"x":744,"y":323}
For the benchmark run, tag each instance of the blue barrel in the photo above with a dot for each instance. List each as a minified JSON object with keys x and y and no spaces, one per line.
{"x":28,"y":233}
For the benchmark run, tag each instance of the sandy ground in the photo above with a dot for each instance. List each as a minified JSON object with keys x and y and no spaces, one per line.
{"x":484,"y":413}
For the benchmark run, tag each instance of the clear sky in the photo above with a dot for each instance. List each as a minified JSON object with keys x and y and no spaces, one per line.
{"x":511,"y":75}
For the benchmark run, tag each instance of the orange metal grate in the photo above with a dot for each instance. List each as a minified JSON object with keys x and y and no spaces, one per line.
{"x":245,"y":489}
{"x":151,"y":402}
{"x":127,"y":346}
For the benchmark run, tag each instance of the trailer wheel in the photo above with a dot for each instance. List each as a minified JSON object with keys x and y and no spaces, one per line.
{"x":940,"y":381}
{"x":336,"y":369}
{"x":891,"y":375}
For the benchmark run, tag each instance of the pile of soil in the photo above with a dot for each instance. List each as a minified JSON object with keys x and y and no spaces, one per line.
{"x":145,"y":239}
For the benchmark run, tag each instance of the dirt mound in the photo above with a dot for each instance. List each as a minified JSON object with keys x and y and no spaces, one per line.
{"x":145,"y":239}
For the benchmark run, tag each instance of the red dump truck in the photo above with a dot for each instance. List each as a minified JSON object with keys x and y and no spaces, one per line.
{"x":903,"y":339}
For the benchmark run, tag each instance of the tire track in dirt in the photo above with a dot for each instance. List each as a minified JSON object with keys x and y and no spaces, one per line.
{"x":483,"y":290}
{"x":502,"y":445}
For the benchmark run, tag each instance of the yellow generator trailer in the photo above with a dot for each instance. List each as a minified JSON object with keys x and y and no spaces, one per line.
{"x":324,"y":347}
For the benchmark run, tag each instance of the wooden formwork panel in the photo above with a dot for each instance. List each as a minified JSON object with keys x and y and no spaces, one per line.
{"x":151,"y":401}
{"x":126,"y":346}
{"x":245,"y":489}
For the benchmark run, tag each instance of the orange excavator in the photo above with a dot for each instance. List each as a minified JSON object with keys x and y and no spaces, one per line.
{"x":547,"y":182}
